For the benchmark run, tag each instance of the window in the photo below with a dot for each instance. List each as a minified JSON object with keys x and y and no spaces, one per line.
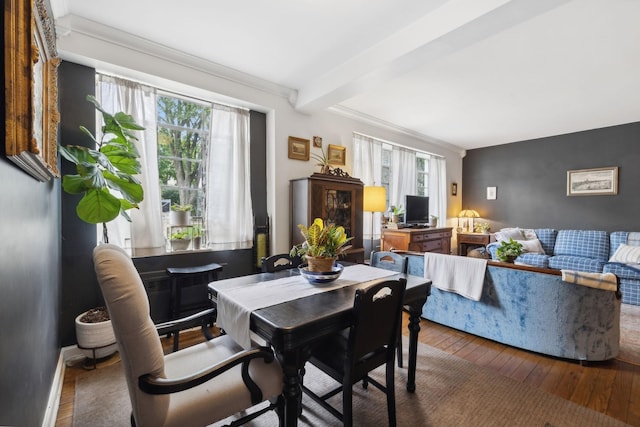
{"x":179,"y":169}
{"x":422,"y":172}
{"x":183,"y":135}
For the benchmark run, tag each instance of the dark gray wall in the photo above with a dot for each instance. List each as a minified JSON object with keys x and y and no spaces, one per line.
{"x":531,"y":181}
{"x":80,"y":290}
{"x":30,"y":287}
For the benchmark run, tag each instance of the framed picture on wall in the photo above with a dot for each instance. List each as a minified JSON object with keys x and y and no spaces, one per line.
{"x":298,"y":148}
{"x":337,"y":155}
{"x":31,"y":88}
{"x":592,"y":182}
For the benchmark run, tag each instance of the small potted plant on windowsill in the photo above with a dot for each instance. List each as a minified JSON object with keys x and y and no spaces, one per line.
{"x":322,"y":245}
{"x":180,"y":239}
{"x":509,"y":251}
{"x":180,"y":214}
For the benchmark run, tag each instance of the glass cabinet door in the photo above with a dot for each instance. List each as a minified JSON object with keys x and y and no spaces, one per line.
{"x":337,"y":208}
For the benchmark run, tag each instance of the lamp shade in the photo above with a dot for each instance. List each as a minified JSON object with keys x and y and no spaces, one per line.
{"x":468,"y":213}
{"x":375,"y":199}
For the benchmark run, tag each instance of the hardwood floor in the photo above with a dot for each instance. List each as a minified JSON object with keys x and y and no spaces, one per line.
{"x":612,"y":387}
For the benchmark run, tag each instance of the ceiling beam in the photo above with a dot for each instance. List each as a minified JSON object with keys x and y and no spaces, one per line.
{"x":443,"y":31}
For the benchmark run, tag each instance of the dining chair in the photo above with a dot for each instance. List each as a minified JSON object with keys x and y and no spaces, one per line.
{"x":369,"y":342}
{"x":395,"y":262}
{"x":195,"y":386}
{"x":279,"y":262}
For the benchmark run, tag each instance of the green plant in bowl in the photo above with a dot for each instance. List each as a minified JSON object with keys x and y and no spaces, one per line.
{"x":509,"y":251}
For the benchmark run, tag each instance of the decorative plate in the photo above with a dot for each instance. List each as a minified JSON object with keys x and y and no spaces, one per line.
{"x":318,"y":278}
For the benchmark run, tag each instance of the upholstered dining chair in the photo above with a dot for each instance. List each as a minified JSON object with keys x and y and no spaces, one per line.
{"x":395,"y":262}
{"x":195,"y":386}
{"x":348,"y":357}
{"x":279,"y":262}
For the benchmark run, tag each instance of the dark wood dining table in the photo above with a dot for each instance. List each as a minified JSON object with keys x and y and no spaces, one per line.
{"x":294,"y":326}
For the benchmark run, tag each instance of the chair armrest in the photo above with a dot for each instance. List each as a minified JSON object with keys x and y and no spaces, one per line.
{"x":156,"y":385}
{"x":185,"y":322}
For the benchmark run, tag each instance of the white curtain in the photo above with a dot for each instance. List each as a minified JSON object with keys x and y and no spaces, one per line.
{"x":367,"y":165}
{"x":404,"y":181}
{"x":228,"y":212}
{"x":438,"y":189}
{"x":145,"y":230}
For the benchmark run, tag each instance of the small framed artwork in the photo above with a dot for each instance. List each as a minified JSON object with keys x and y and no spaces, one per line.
{"x":454,"y":189}
{"x":298,"y":148}
{"x":491,"y":193}
{"x":317,"y":141}
{"x":592,"y":182}
{"x":337,"y":154}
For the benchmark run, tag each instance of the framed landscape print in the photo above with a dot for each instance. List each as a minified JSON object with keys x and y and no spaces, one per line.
{"x":31,"y":101}
{"x":298,"y":148}
{"x":592,"y":182}
{"x":337,"y":154}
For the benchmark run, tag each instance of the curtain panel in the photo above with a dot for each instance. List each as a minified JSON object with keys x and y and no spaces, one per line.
{"x":145,"y":230}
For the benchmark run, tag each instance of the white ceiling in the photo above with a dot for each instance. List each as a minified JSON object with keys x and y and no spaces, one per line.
{"x":471,"y":73}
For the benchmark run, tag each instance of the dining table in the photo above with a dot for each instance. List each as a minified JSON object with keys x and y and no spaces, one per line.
{"x":291,"y":315}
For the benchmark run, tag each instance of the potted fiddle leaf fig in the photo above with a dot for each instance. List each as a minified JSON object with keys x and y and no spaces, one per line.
{"x":105,"y":177}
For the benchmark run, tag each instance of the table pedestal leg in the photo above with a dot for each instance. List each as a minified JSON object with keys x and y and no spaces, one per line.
{"x":414,"y":328}
{"x":292,"y":366}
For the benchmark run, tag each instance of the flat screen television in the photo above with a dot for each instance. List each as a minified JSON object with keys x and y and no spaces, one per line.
{"x":416,"y":209}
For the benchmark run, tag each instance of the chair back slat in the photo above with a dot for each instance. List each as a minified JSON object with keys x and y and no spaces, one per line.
{"x":389,"y":261}
{"x":376,"y":322}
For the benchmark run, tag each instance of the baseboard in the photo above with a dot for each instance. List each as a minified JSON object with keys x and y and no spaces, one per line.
{"x":51,"y":413}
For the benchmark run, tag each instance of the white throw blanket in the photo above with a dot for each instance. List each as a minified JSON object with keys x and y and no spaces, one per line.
{"x":606,"y":281}
{"x":459,"y":274}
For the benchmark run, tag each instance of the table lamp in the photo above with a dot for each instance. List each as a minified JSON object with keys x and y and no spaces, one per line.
{"x":374,"y":200}
{"x":469,"y":214}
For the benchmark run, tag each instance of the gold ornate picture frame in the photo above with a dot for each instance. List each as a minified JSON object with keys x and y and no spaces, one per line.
{"x":337,"y":155}
{"x":298,"y":148}
{"x":31,"y":101}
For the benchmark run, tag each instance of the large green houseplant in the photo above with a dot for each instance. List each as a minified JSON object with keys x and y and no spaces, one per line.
{"x":105,"y":178}
{"x":322,"y":245}
{"x":105,"y":175}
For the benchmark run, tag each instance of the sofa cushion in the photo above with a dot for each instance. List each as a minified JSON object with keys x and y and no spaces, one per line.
{"x":626,"y":254}
{"x":616,"y":239}
{"x":532,"y":246}
{"x":534,"y":260}
{"x":583,"y":243}
{"x":547,"y":237}
{"x":577,"y":263}
{"x":623,"y":271}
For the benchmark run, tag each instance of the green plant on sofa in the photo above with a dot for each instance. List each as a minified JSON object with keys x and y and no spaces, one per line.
{"x":509,"y":251}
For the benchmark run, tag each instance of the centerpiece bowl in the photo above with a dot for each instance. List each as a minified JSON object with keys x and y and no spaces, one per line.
{"x":319,"y":278}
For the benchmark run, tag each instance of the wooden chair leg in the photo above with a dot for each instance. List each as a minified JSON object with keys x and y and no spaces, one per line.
{"x":399,"y":347}
{"x":391,"y":395}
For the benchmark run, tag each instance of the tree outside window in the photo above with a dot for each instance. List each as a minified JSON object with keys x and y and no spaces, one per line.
{"x":183,"y":135}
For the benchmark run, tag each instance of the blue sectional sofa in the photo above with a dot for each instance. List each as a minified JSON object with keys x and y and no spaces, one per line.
{"x":585,"y":250}
{"x":532,"y":310}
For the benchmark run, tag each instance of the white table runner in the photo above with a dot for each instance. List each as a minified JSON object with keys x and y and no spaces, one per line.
{"x":235,"y":303}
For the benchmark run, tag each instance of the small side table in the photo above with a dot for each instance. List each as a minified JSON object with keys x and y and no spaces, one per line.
{"x":465,"y":240}
{"x":196,"y":278}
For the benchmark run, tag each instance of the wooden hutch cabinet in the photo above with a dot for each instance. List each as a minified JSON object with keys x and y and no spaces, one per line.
{"x":336,"y":200}
{"x":417,"y":240}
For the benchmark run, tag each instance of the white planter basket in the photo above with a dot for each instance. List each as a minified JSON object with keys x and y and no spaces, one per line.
{"x":98,"y":336}
{"x":182,"y":218}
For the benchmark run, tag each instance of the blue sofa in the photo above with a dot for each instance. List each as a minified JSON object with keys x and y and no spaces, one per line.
{"x":531,"y":310}
{"x":584,"y":250}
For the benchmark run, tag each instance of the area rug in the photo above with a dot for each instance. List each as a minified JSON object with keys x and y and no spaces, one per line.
{"x":630,"y":334}
{"x":450,"y":392}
